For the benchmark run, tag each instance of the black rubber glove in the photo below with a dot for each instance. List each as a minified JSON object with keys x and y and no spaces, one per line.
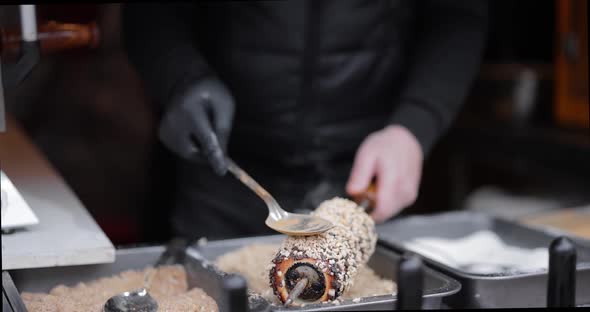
{"x":198,"y":123}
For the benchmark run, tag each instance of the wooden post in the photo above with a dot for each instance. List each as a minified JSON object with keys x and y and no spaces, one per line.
{"x":571,"y":64}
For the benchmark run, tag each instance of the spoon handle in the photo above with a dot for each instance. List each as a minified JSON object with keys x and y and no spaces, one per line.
{"x":174,"y":253}
{"x":247,"y":180}
{"x":148,"y":277}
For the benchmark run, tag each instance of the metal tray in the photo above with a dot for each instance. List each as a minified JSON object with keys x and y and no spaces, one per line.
{"x":384,"y":262}
{"x":199,"y":274}
{"x":11,"y":300}
{"x":491,"y":291}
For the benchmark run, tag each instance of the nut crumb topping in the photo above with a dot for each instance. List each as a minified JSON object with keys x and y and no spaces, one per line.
{"x":338,"y":252}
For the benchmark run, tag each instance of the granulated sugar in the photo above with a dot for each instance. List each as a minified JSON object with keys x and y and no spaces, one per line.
{"x":253,"y":262}
{"x":169,"y":288}
{"x":483,"y":252}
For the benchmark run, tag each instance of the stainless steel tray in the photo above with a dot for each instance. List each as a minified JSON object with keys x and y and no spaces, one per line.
{"x":11,"y":300}
{"x":199,"y":274}
{"x":491,"y":291}
{"x":384,"y":262}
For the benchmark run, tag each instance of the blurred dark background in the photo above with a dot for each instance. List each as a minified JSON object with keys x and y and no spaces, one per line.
{"x":521,"y":144}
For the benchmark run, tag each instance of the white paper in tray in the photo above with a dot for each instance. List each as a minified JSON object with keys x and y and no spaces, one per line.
{"x":15,"y":211}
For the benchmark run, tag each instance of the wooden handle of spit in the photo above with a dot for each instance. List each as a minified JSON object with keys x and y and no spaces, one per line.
{"x":53,"y":37}
{"x":367,"y":198}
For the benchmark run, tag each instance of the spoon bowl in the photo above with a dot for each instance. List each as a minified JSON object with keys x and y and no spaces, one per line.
{"x":139,"y":300}
{"x":299,"y":224}
{"x":278,"y":219}
{"x":132,"y":301}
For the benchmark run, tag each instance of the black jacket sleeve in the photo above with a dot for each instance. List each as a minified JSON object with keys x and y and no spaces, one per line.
{"x":444,"y":61}
{"x":160,"y":43}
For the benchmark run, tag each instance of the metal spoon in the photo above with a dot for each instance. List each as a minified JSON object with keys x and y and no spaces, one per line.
{"x":139,"y":300}
{"x":279,"y":219}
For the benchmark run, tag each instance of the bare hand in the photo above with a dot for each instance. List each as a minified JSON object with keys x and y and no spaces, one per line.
{"x":394,"y":156}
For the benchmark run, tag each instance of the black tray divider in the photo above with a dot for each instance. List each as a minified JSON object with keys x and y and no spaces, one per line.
{"x":561,"y":285}
{"x":237,"y":292}
{"x":410,"y":283}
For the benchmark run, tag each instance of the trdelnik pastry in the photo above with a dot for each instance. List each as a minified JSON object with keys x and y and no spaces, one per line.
{"x":328,"y":261}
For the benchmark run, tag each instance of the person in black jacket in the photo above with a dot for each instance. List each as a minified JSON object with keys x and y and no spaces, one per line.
{"x":313,"y":98}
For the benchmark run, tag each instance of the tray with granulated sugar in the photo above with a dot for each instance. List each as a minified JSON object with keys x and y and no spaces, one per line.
{"x":76,"y":288}
{"x":499,"y":263}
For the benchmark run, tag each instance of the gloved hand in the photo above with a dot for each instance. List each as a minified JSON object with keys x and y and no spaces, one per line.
{"x":198,"y":122}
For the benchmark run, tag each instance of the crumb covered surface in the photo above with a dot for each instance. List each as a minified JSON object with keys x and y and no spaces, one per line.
{"x":337,"y":253}
{"x":253,"y":262}
{"x":169,"y":288}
